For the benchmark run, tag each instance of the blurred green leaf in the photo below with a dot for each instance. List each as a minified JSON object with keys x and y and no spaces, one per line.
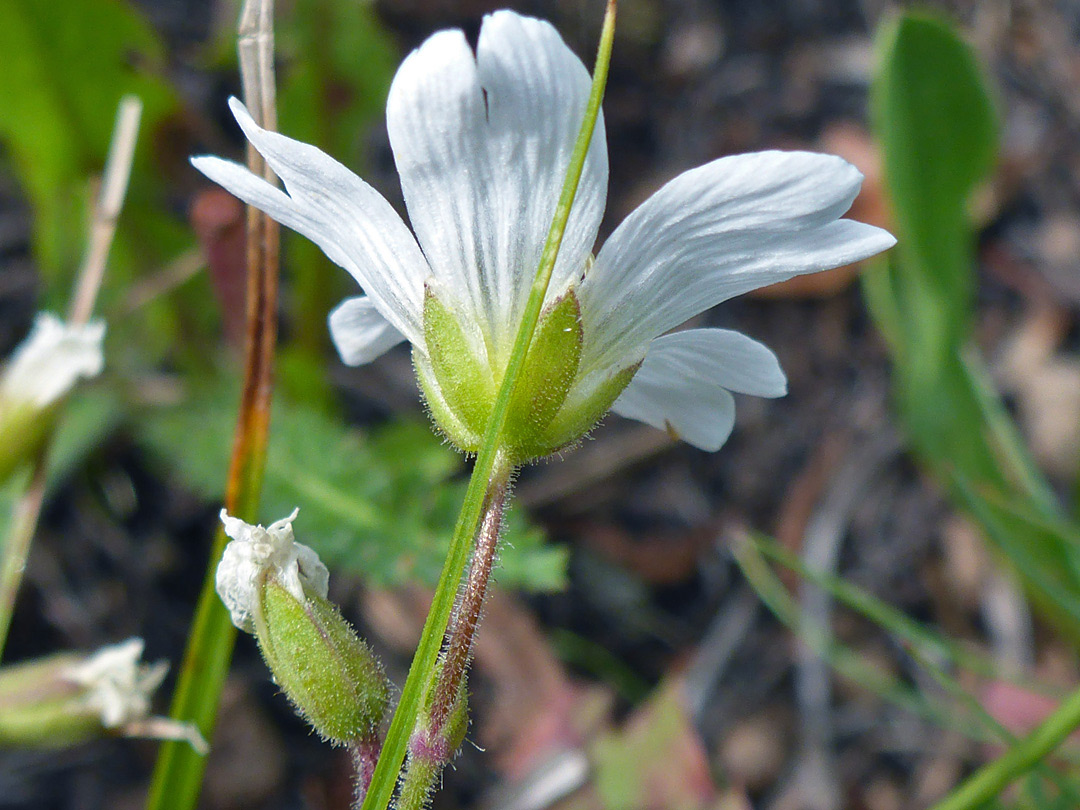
{"x":938,"y":132}
{"x":66,"y":65}
{"x":934,"y":119}
{"x":847,"y":662}
{"x":381,"y":505}
{"x":88,"y":417}
{"x":1044,"y":551}
{"x":933,"y":652}
{"x":336,"y":65}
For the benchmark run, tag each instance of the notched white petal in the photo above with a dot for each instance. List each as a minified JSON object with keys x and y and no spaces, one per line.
{"x":52,"y":358}
{"x":256,"y":553}
{"x":715,"y":232}
{"x":360,"y":332}
{"x":684,"y":384}
{"x":482,"y":143}
{"x":726,"y":358}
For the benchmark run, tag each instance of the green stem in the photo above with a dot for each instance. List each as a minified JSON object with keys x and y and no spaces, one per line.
{"x":470,"y":605}
{"x":490,"y":458}
{"x":435,"y":740}
{"x":990,"y":780}
{"x":17,"y":548}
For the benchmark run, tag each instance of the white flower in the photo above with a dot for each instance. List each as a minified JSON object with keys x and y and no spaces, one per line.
{"x":50,"y":361}
{"x":118,"y":687}
{"x":256,"y":553}
{"x":482,"y":142}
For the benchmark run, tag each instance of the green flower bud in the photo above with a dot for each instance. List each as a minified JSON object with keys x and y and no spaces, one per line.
{"x":326,"y":671}
{"x":555,"y":401}
{"x":68,"y":698}
{"x":276,"y":589}
{"x":36,"y":378}
{"x":23,"y":430}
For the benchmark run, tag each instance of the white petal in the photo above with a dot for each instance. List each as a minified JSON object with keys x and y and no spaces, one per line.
{"x":360,"y":333}
{"x":482,"y":144}
{"x":726,"y":358}
{"x":715,"y":232}
{"x":683,"y":385}
{"x":256,"y":552}
{"x":699,"y":414}
{"x":52,"y":358}
{"x":339,"y":212}
{"x":118,"y":687}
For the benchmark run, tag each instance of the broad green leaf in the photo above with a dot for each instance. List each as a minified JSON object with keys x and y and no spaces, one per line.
{"x":938,"y":131}
{"x":935,"y":122}
{"x":381,"y":505}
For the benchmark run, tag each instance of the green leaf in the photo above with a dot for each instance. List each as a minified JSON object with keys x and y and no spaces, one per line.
{"x":66,"y":65}
{"x":935,"y":121}
{"x":938,"y":131}
{"x":381,"y":505}
{"x":932,"y":651}
{"x":1044,"y":551}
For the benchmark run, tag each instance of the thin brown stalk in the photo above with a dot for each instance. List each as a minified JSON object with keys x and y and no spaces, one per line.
{"x":178,"y":774}
{"x":110,"y":200}
{"x":256,"y":48}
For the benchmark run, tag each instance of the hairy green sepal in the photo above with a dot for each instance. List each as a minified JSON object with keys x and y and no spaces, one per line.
{"x":41,"y":708}
{"x":329,"y":674}
{"x":23,"y":430}
{"x":551,"y":407}
{"x":463,"y":389}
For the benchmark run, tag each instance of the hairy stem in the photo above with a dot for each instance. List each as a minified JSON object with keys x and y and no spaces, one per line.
{"x":491,"y":457}
{"x":434,"y":740}
{"x":470,"y":605}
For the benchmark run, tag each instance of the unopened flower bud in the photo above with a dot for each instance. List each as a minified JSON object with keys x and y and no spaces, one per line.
{"x":67,"y":698}
{"x":276,"y":589}
{"x":37,"y":376}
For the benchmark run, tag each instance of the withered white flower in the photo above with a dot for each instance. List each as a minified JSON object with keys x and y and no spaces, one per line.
{"x":50,"y":361}
{"x":118,"y":686}
{"x":256,"y":553}
{"x":482,"y":142}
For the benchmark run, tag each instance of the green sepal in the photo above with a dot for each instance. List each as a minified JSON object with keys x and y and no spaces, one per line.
{"x":466,"y":384}
{"x":576,"y":419}
{"x":329,"y":674}
{"x":439,"y":410}
{"x":23,"y":430}
{"x":41,"y":708}
{"x":549,"y":372}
